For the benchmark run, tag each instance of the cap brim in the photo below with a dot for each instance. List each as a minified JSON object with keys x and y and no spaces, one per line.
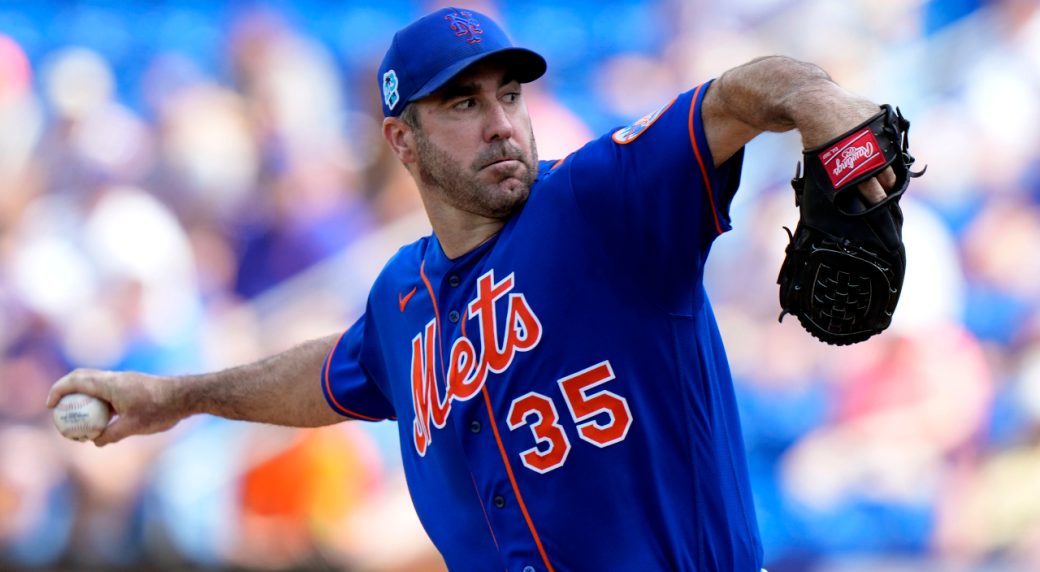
{"x":523,"y":64}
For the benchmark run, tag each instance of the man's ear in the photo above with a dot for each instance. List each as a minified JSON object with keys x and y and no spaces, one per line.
{"x":400,"y":138}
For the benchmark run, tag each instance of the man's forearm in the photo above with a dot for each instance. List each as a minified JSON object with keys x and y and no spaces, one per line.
{"x":777,"y":93}
{"x":283,"y":389}
{"x":761,"y":92}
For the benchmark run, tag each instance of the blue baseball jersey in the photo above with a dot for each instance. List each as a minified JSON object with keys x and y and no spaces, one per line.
{"x":561,"y":391}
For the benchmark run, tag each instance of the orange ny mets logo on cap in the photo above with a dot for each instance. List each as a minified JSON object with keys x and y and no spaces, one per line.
{"x":465,"y":26}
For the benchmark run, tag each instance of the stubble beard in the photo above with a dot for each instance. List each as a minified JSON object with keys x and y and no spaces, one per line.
{"x":462,"y":186}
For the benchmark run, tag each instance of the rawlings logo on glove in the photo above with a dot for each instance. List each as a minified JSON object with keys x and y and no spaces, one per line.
{"x":845,"y":262}
{"x":852,"y":157}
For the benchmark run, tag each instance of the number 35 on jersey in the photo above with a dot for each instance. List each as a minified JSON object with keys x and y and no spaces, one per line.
{"x":585,"y":404}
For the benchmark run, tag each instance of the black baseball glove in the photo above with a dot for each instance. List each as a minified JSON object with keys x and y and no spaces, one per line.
{"x":845,"y":261}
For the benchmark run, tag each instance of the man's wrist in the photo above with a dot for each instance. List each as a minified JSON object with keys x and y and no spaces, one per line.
{"x":824,"y":110}
{"x":182,"y":395}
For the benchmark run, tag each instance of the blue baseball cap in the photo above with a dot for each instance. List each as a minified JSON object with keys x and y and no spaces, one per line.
{"x":429,"y":52}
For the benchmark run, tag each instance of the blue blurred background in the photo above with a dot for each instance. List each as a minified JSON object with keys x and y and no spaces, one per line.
{"x":189,"y":185}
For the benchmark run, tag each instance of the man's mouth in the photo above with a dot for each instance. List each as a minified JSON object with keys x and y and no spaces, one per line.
{"x":503,"y":160}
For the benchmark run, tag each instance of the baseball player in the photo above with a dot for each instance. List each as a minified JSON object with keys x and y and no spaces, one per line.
{"x":548,"y":353}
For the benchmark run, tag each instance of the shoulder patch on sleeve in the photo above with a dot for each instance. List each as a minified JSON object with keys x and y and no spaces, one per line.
{"x":630,"y":133}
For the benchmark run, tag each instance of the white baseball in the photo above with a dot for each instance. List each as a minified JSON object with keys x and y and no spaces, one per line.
{"x":81,"y":417}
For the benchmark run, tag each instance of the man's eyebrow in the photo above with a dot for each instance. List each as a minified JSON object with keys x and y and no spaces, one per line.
{"x":466,"y":89}
{"x":451,"y":91}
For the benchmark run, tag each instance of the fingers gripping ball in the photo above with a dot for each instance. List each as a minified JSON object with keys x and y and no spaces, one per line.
{"x":81,"y":417}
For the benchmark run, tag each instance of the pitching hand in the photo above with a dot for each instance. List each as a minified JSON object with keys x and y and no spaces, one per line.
{"x":141,"y":404}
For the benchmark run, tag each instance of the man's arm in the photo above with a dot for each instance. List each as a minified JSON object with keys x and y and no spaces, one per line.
{"x":776,"y":93}
{"x":283,"y":390}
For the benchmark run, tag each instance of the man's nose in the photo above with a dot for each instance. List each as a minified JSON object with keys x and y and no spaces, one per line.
{"x":498,"y":124}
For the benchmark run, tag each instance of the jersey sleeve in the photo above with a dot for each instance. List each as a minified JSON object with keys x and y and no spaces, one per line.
{"x":346,"y":383}
{"x":651,"y":189}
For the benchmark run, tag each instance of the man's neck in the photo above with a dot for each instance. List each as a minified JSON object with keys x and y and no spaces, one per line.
{"x":460,"y":232}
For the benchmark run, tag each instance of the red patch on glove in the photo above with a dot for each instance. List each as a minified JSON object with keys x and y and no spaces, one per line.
{"x":851,"y":157}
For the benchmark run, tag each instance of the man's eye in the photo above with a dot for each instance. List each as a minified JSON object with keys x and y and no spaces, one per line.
{"x":465,"y":104}
{"x":513,"y":96}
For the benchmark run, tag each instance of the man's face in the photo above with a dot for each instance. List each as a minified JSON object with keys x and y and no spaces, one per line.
{"x":474,"y":144}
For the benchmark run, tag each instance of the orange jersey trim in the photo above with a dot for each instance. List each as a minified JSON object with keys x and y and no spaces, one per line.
{"x":436,"y":316}
{"x":509,"y":471}
{"x":487,"y":519}
{"x":512,"y":481}
{"x":476,"y":489}
{"x":700,"y":161}
{"x":328,"y":387}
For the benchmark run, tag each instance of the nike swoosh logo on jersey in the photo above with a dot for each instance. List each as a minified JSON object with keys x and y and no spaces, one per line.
{"x":403,"y":300}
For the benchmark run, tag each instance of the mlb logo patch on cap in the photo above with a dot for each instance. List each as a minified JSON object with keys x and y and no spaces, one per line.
{"x":390,"y":95}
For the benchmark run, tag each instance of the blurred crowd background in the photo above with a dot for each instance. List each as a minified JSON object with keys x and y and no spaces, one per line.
{"x":187,"y":185}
